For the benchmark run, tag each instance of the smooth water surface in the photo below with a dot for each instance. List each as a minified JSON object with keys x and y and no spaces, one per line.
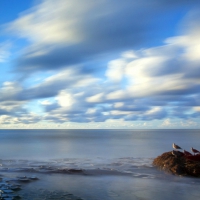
{"x":48,"y":144}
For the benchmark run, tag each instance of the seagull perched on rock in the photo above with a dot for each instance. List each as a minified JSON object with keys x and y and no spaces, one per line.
{"x":194,"y":150}
{"x":177,"y":153}
{"x":176,"y":146}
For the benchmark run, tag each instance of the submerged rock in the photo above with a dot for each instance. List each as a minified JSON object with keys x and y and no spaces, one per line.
{"x":177,"y":164}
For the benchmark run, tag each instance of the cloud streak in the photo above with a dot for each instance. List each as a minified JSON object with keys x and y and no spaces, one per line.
{"x":103,"y":61}
{"x":63,"y":34}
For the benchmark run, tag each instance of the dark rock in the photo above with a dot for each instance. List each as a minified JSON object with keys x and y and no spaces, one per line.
{"x":177,"y":164}
{"x":75,"y":170}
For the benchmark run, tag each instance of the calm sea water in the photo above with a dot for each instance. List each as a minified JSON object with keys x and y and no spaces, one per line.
{"x":115,"y":164}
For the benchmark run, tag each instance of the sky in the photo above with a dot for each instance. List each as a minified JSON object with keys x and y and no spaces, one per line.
{"x":100,"y":64}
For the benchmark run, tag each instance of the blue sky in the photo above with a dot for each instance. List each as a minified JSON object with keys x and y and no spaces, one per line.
{"x":100,"y":64}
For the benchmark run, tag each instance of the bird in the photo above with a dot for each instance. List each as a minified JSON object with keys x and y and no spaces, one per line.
{"x":177,"y":153}
{"x":195,"y":150}
{"x":176,"y":146}
{"x":186,"y":153}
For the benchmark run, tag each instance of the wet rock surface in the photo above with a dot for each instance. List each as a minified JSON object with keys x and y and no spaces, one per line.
{"x":177,"y":164}
{"x":12,"y":189}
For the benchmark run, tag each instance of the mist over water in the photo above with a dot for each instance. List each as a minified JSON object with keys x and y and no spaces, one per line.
{"x":97,"y":164}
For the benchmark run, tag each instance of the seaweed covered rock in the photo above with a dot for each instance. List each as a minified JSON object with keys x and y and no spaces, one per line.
{"x":178,"y":164}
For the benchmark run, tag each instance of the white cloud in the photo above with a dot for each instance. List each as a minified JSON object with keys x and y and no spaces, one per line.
{"x":160,"y":70}
{"x":129,"y":54}
{"x":45,"y":102}
{"x":166,"y":123}
{"x":12,"y":107}
{"x":138,"y":70}
{"x":153,"y":110}
{"x":61,"y":75}
{"x":30,"y":118}
{"x":115,"y":70}
{"x":118,"y":112}
{"x":196,"y":108}
{"x":10,"y":90}
{"x":91,"y":111}
{"x":87,"y":80}
{"x":118,"y":105}
{"x":71,"y":76}
{"x":118,"y":94}
{"x":65,"y":99}
{"x":49,"y":22}
{"x":95,"y":98}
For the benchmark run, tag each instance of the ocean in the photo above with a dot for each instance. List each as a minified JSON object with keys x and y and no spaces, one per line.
{"x":93,"y":165}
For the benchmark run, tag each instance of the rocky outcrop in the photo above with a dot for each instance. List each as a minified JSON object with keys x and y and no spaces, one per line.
{"x":177,"y":164}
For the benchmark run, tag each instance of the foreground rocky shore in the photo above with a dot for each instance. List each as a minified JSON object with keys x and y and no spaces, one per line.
{"x":177,"y":164}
